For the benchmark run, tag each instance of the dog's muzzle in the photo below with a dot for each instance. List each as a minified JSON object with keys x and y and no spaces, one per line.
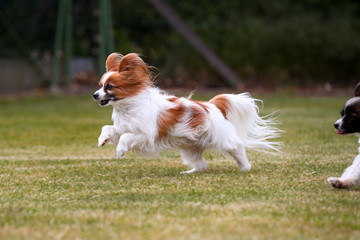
{"x":104,"y":100}
{"x":337,"y":126}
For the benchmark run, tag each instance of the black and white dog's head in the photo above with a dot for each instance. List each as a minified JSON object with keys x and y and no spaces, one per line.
{"x":350,"y":121}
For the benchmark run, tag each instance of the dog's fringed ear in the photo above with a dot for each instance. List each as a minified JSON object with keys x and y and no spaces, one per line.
{"x":113,"y":61}
{"x":132,"y":62}
{"x":357,"y":90}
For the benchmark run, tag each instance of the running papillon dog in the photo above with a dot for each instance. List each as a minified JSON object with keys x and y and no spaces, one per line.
{"x":148,"y":120}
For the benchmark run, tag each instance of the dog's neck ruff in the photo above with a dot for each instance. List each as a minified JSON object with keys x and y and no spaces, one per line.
{"x":147,"y":100}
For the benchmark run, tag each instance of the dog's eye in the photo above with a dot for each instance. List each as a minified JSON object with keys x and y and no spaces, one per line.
{"x":109,"y":87}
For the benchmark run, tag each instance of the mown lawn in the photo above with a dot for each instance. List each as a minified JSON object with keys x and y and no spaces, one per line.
{"x":55,"y":183}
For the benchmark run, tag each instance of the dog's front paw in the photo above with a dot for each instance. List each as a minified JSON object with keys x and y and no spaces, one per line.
{"x":102,"y":140}
{"x":333,"y":181}
{"x":336,"y":183}
{"x":119,"y":154}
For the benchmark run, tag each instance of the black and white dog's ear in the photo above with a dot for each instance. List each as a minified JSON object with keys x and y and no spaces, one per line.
{"x":357,"y":90}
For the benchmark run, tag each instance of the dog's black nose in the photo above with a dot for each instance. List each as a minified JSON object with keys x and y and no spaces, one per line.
{"x":96,"y":96}
{"x":336,"y":125}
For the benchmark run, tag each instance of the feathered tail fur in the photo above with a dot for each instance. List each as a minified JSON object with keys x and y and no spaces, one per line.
{"x":243,"y":112}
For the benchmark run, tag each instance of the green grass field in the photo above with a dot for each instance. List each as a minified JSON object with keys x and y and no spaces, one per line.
{"x":55,"y":183}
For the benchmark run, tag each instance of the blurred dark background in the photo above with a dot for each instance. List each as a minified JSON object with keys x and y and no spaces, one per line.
{"x":269,"y":43}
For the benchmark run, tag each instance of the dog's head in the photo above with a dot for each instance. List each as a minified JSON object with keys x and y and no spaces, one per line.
{"x":350,"y":120}
{"x":125,"y":77}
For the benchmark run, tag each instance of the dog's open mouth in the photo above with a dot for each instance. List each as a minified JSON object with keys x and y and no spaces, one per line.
{"x":340,"y":132}
{"x":104,"y":102}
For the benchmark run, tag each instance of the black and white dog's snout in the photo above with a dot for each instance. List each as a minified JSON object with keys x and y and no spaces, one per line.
{"x":337,"y":124}
{"x":96,"y":96}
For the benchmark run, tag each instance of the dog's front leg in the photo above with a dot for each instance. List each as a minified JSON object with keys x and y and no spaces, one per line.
{"x":108,"y":135}
{"x":127,"y":142}
{"x":350,"y":178}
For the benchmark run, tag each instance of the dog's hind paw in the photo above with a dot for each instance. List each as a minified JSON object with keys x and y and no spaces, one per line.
{"x":245,"y":168}
{"x":194,"y":170}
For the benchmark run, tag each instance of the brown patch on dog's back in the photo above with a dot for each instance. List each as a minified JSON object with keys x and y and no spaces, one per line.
{"x":197,"y":117}
{"x":201,"y":104}
{"x":172,"y":99}
{"x":222,"y":103}
{"x":169,"y":118}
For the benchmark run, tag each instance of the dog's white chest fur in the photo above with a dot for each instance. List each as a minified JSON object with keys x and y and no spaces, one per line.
{"x":137,"y":114}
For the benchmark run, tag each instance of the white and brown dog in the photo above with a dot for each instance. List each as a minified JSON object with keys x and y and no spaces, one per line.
{"x":148,"y":120}
{"x":349,"y":123}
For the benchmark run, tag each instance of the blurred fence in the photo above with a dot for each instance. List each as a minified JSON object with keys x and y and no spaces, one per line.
{"x":267,"y":43}
{"x":17,"y":76}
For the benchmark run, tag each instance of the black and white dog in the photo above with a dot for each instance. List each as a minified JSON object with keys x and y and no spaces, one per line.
{"x":349,"y":123}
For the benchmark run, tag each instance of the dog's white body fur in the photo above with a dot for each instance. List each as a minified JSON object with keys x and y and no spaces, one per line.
{"x":136,"y":124}
{"x":351,"y":176}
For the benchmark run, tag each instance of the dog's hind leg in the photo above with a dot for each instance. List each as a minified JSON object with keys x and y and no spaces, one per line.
{"x":193,"y":157}
{"x":239,"y":154}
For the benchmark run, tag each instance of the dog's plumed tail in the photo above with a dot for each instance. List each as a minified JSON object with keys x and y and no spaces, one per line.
{"x":255,"y":131}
